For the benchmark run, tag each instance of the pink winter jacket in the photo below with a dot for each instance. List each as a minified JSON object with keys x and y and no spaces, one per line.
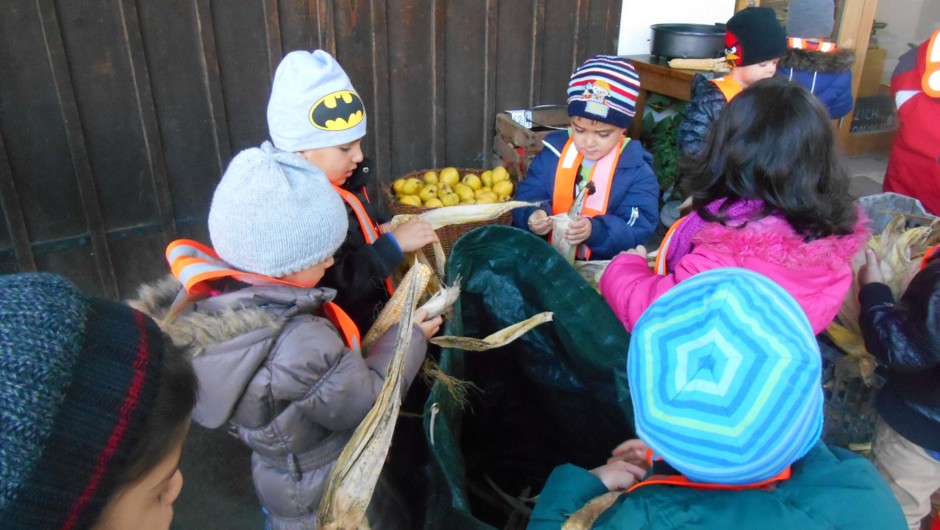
{"x":818,"y":274}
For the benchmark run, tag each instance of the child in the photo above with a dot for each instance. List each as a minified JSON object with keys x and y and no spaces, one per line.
{"x":914,"y":162}
{"x":94,"y":407}
{"x":905,"y":338}
{"x":315,"y":112}
{"x":769,"y":193}
{"x":812,"y":61}
{"x":275,"y":357}
{"x":622,"y":208}
{"x":724,"y":372}
{"x":754,"y":42}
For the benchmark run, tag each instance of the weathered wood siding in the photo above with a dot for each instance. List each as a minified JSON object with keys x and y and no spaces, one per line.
{"x":117,"y":117}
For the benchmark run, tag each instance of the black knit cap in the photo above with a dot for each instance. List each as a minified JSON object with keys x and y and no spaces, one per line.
{"x":78,"y":379}
{"x":753,"y":35}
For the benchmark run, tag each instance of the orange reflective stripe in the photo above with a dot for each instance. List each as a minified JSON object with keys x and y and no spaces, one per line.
{"x":568,"y":164}
{"x":344,"y":324}
{"x":660,"y":264}
{"x":195,"y":264}
{"x":931,"y":252}
{"x":813,"y":45}
{"x":370,"y":231}
{"x":930,"y":82}
{"x":728,"y":86}
{"x":684,"y":482}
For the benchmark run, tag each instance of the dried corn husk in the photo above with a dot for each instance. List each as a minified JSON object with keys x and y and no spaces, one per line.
{"x":500,"y":338}
{"x":709,"y":65}
{"x":584,"y":518}
{"x":442,"y":300}
{"x":560,"y":224}
{"x":420,"y":274}
{"x":462,"y":213}
{"x":353,"y":480}
{"x":899,"y":250}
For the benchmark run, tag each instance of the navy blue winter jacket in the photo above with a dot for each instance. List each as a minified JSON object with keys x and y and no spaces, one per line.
{"x":905,"y":338}
{"x":827,"y":75}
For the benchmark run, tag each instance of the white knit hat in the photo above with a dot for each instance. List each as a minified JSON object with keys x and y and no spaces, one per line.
{"x":313,"y":104}
{"x":274,"y":214}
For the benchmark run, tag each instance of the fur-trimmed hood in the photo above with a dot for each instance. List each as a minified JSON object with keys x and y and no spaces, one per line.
{"x":809,"y":60}
{"x":774,"y":241}
{"x":224,"y":317}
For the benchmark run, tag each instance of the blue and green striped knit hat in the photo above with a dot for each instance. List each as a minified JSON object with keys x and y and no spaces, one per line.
{"x":78,"y":379}
{"x":724,"y":372}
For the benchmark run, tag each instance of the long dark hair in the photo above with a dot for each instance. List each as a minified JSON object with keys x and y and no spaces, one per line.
{"x":774,"y":142}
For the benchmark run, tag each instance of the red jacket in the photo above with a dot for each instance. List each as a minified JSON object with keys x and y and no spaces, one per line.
{"x":914,"y":164}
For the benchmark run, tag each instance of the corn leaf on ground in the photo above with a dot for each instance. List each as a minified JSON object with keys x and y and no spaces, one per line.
{"x":495,"y":340}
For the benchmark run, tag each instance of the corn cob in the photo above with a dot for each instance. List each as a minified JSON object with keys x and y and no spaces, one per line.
{"x":560,"y":224}
{"x":500,"y":338}
{"x":419,"y":274}
{"x":713,"y":65}
{"x":353,"y":479}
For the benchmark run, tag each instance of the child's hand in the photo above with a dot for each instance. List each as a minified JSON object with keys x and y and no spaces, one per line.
{"x":619,"y":475}
{"x":414,"y":234}
{"x":578,"y":231}
{"x":639,"y":250}
{"x":632,"y":451}
{"x":870,"y":271}
{"x":428,"y":326}
{"x":539,"y":223}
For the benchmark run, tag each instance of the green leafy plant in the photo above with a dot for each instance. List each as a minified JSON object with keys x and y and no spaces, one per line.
{"x":659,"y":137}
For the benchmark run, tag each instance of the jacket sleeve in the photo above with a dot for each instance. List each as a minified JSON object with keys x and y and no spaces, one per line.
{"x":898,"y":335}
{"x":630,"y":286}
{"x":840,"y":101}
{"x":631,"y":221}
{"x":537,"y":186}
{"x":702,"y":110}
{"x":567,"y":490}
{"x":330,"y":384}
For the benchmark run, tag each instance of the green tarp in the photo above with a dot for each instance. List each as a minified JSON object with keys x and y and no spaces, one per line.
{"x":548,"y":398}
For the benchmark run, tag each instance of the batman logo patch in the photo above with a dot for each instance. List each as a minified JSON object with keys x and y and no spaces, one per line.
{"x":337,"y":111}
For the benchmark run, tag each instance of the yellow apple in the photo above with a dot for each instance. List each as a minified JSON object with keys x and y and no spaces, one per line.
{"x":472,"y":180}
{"x":449,"y":176}
{"x":412,"y":200}
{"x":430,"y":177}
{"x":428,"y":192}
{"x":411,"y":186}
{"x":487,"y":178}
{"x":503,"y":187}
{"x":433,"y":203}
{"x":500,"y":174}
{"x":450,"y":199}
{"x":463,"y":191}
{"x":398,"y":185}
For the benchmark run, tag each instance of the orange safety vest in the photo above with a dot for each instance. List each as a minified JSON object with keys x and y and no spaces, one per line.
{"x":370,"y":231}
{"x":195,"y":265}
{"x":930,"y":81}
{"x":682,"y":481}
{"x":602,"y":175}
{"x":660,"y":264}
{"x":728,"y":86}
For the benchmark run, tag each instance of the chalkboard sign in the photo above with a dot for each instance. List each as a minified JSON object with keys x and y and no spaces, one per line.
{"x":873,"y":114}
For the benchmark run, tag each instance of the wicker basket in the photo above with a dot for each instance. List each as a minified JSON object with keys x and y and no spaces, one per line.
{"x":447,"y":234}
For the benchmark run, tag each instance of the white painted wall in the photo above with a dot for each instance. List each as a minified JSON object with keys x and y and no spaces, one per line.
{"x":908,"y":21}
{"x":637,"y":17}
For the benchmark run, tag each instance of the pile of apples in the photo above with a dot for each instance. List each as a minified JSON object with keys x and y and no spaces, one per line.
{"x":448,"y":188}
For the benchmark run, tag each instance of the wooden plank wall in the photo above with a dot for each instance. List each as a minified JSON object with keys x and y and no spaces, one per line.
{"x":117,"y":117}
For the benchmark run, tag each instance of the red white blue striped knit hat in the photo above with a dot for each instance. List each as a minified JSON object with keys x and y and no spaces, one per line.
{"x":604,"y":89}
{"x":724,"y":372}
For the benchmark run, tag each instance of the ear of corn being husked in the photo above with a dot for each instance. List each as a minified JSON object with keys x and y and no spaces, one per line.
{"x":356,"y":473}
{"x":500,"y":338}
{"x":463,"y":213}
{"x":899,"y":250}
{"x":419,"y":274}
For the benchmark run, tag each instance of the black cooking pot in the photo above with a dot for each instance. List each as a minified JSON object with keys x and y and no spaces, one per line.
{"x":689,"y":41}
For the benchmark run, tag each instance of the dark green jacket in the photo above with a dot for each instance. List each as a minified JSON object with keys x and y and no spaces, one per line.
{"x":830,"y":488}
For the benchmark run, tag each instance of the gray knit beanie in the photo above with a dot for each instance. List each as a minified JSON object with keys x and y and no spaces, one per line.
{"x":274,"y":214}
{"x":810,"y":18}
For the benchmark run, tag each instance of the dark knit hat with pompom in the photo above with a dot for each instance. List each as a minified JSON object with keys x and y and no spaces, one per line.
{"x":78,"y":379}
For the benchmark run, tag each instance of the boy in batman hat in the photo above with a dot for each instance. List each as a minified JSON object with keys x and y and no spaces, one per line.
{"x":315,"y":112}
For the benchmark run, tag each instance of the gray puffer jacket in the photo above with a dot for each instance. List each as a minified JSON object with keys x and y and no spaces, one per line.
{"x":281,"y":375}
